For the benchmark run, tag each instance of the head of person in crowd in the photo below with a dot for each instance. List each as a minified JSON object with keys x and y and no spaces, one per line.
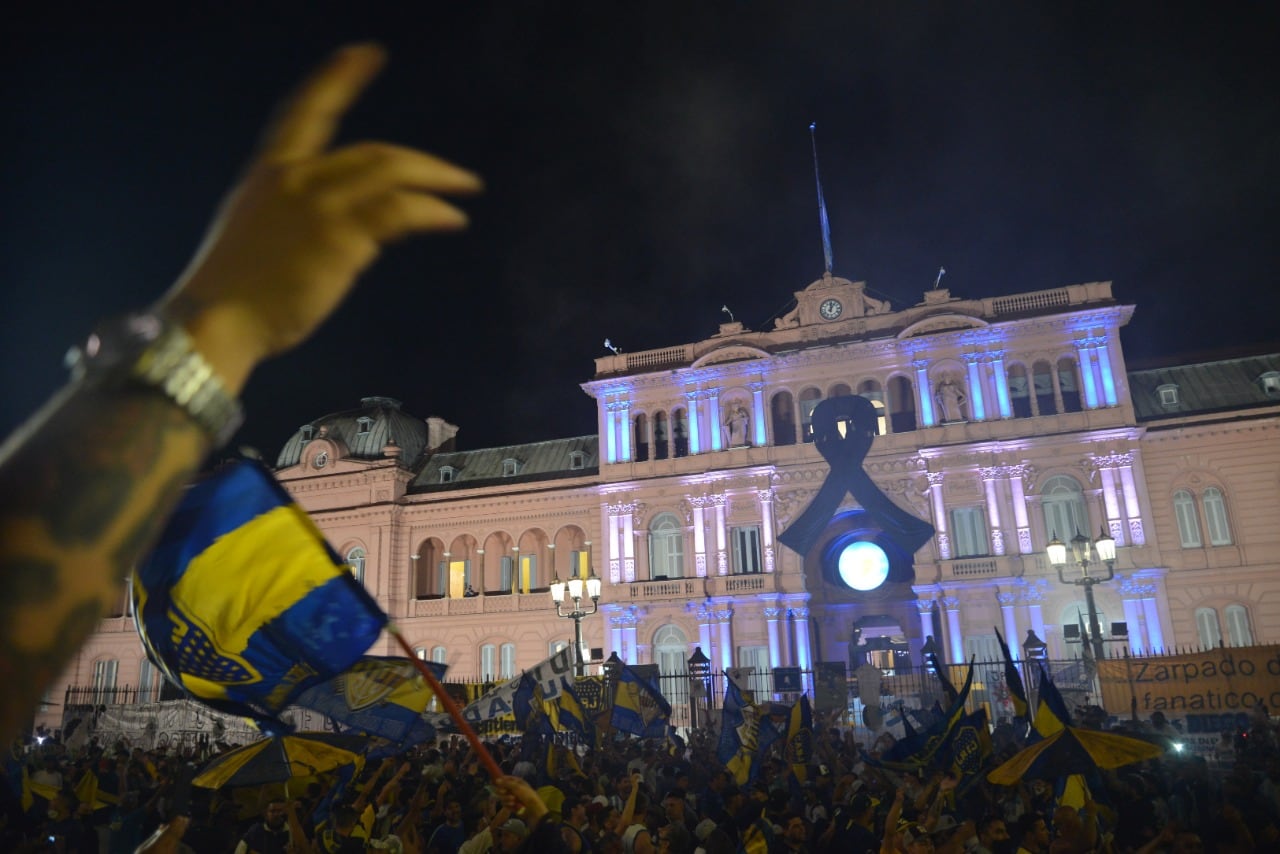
{"x":916,"y":839}
{"x":675,"y":838}
{"x":511,"y":835}
{"x":674,"y":806}
{"x":795,"y":833}
{"x":993,"y":834}
{"x":1033,"y":833}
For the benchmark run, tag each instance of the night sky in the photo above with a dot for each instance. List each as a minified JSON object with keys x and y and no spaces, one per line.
{"x":647,"y":163}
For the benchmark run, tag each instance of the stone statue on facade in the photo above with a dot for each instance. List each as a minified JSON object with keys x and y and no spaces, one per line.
{"x":951,"y":398}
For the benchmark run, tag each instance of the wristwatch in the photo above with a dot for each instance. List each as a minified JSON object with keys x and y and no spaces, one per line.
{"x":151,"y":350}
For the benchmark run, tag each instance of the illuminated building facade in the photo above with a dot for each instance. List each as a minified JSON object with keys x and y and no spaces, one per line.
{"x":1002,"y":423}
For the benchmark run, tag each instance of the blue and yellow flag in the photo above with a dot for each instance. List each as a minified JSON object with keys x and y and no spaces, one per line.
{"x":639,"y":707}
{"x":1051,"y":710}
{"x":378,"y":696}
{"x":799,"y":745}
{"x":925,"y":748}
{"x":243,"y":604}
{"x":1017,"y":693}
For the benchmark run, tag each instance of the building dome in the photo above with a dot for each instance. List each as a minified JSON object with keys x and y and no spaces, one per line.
{"x":377,"y":429}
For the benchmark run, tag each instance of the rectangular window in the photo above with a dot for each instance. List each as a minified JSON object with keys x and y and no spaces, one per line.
{"x":528,"y":573}
{"x":488,"y":662}
{"x":1238,"y":630}
{"x":746,"y":549}
{"x":1188,"y":523}
{"x":508,"y":661}
{"x":104,"y":680}
{"x":756,"y":659}
{"x":505,"y":581}
{"x":1207,"y":628}
{"x":969,"y":532}
{"x":1215,"y":518}
{"x":458,"y":578}
{"x":580,"y":563}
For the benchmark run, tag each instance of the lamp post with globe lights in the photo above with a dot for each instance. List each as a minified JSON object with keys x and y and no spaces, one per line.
{"x":576,"y":589}
{"x":1086,"y":553}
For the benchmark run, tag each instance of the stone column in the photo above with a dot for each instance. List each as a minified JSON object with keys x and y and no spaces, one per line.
{"x":697,"y":502}
{"x":1109,"y":393}
{"x":771,"y":615}
{"x":1085,"y":365}
{"x":1017,"y":473}
{"x":1001,"y":381}
{"x":713,"y":404}
{"x":955,"y":633}
{"x":759,"y":422}
{"x":924,"y":393}
{"x":990,"y":482}
{"x":726,"y":639}
{"x":977,"y":405}
{"x":939,"y":514}
{"x":1011,"y":634}
{"x":695,"y":440}
{"x":766,"y":527}
{"x":722,"y":554}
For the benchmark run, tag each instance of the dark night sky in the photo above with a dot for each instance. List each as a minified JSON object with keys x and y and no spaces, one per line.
{"x":646,"y":164}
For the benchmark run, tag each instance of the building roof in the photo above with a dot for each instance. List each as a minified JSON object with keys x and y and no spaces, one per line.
{"x":532,"y":462}
{"x":1205,"y":387}
{"x":387,"y":425}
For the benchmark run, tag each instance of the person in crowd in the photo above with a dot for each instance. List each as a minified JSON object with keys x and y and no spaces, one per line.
{"x":87,"y":482}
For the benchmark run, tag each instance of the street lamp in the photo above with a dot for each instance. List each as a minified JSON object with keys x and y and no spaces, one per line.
{"x":576,"y":587}
{"x":1082,"y":553}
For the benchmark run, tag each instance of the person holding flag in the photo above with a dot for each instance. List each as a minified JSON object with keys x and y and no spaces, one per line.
{"x":90,"y":479}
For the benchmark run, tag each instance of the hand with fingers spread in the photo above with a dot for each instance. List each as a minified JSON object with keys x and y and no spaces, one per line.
{"x":285,"y":248}
{"x":305,"y":221}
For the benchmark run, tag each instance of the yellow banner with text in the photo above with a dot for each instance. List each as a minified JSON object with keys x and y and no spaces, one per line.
{"x":1223,"y":680}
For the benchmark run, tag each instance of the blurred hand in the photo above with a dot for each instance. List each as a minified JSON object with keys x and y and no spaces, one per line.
{"x":305,"y":220}
{"x":166,"y":838}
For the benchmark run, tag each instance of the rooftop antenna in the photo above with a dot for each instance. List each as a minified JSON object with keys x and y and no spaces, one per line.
{"x":822,"y":202}
{"x":608,"y":345}
{"x":937,"y":283}
{"x":725,"y":309}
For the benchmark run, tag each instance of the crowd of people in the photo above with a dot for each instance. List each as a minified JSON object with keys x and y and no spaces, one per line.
{"x":632,"y":795}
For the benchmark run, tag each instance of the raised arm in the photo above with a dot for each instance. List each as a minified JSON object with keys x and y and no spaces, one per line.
{"x":87,"y":482}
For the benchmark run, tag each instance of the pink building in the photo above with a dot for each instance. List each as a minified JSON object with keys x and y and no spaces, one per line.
{"x":1003,"y":422}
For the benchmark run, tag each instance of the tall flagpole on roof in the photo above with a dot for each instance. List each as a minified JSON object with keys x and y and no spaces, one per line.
{"x":822,"y":202}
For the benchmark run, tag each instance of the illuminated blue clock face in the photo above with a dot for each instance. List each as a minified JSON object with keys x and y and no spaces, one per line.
{"x":863,"y":566}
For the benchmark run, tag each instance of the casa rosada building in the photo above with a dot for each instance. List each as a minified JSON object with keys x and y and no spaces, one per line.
{"x":1002,"y":422}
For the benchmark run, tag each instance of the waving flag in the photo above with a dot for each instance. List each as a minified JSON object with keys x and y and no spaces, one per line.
{"x":243,"y":604}
{"x":927,"y":747}
{"x":799,"y":746}
{"x":639,"y":707}
{"x":1017,"y":693}
{"x":739,"y":734}
{"x":378,"y":696}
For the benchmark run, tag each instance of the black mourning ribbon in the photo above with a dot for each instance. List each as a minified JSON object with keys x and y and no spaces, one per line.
{"x":844,"y":454}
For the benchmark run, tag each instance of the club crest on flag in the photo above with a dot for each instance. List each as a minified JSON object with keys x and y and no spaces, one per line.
{"x":197,"y":656}
{"x":367,"y":683}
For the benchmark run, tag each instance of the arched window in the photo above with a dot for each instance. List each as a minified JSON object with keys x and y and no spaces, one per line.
{"x":149,"y":680}
{"x":660,"y":446}
{"x":1019,"y":391}
{"x":1215,"y":517}
{"x":1064,"y":511}
{"x":355,"y":560}
{"x":902,"y":404}
{"x":104,"y":680}
{"x":839,"y":390}
{"x":809,"y":400}
{"x":670,"y":650}
{"x":438,"y":655}
{"x":1207,"y":628}
{"x":1184,"y":507}
{"x":1042,"y":382}
{"x":488,"y":662}
{"x":508,"y":662}
{"x":1238,"y":631}
{"x":666,"y":547}
{"x":1069,"y":384}
{"x":642,"y":437}
{"x":679,"y":433}
{"x":871,"y":390}
{"x":782,"y":412}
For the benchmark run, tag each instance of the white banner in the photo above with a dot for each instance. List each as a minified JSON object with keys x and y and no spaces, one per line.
{"x":554,"y":675}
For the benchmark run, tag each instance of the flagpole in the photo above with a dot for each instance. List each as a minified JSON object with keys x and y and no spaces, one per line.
{"x":450,"y":706}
